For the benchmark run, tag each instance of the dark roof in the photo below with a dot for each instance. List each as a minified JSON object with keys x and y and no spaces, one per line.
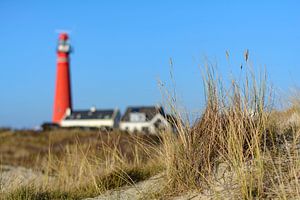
{"x":149,"y":111}
{"x":90,"y":114}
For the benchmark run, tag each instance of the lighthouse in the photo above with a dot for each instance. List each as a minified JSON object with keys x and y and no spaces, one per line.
{"x":62,"y":99}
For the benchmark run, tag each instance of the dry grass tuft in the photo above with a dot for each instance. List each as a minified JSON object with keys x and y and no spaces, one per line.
{"x":239,"y":148}
{"x":238,"y":130}
{"x":87,"y":163}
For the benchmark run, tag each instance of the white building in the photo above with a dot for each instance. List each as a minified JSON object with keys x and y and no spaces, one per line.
{"x":150,"y":119}
{"x":102,"y":119}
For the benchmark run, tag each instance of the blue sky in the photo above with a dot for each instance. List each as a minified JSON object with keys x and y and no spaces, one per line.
{"x":123,"y":47}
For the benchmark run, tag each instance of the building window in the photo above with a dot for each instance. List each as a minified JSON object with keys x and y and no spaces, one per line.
{"x":126,"y":129}
{"x":158,"y":124}
{"x":145,"y":129}
{"x":137,"y":117}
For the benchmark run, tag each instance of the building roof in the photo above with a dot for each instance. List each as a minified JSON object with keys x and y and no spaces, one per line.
{"x":149,"y":111}
{"x":90,"y":114}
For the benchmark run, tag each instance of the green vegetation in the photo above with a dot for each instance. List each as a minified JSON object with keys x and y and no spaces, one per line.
{"x":109,"y":181}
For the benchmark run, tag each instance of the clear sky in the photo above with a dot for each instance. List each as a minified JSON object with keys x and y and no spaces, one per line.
{"x":121,"y":49}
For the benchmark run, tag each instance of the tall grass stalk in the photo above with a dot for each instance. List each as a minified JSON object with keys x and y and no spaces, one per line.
{"x":234,"y":130}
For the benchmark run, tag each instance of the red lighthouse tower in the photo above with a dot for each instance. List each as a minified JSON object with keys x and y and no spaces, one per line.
{"x":62,"y":100}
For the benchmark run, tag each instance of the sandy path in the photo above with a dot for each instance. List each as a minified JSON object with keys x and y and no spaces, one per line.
{"x":138,"y":191}
{"x":14,"y":177}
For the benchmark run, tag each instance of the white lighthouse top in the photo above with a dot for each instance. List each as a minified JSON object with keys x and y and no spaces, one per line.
{"x":63,"y":44}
